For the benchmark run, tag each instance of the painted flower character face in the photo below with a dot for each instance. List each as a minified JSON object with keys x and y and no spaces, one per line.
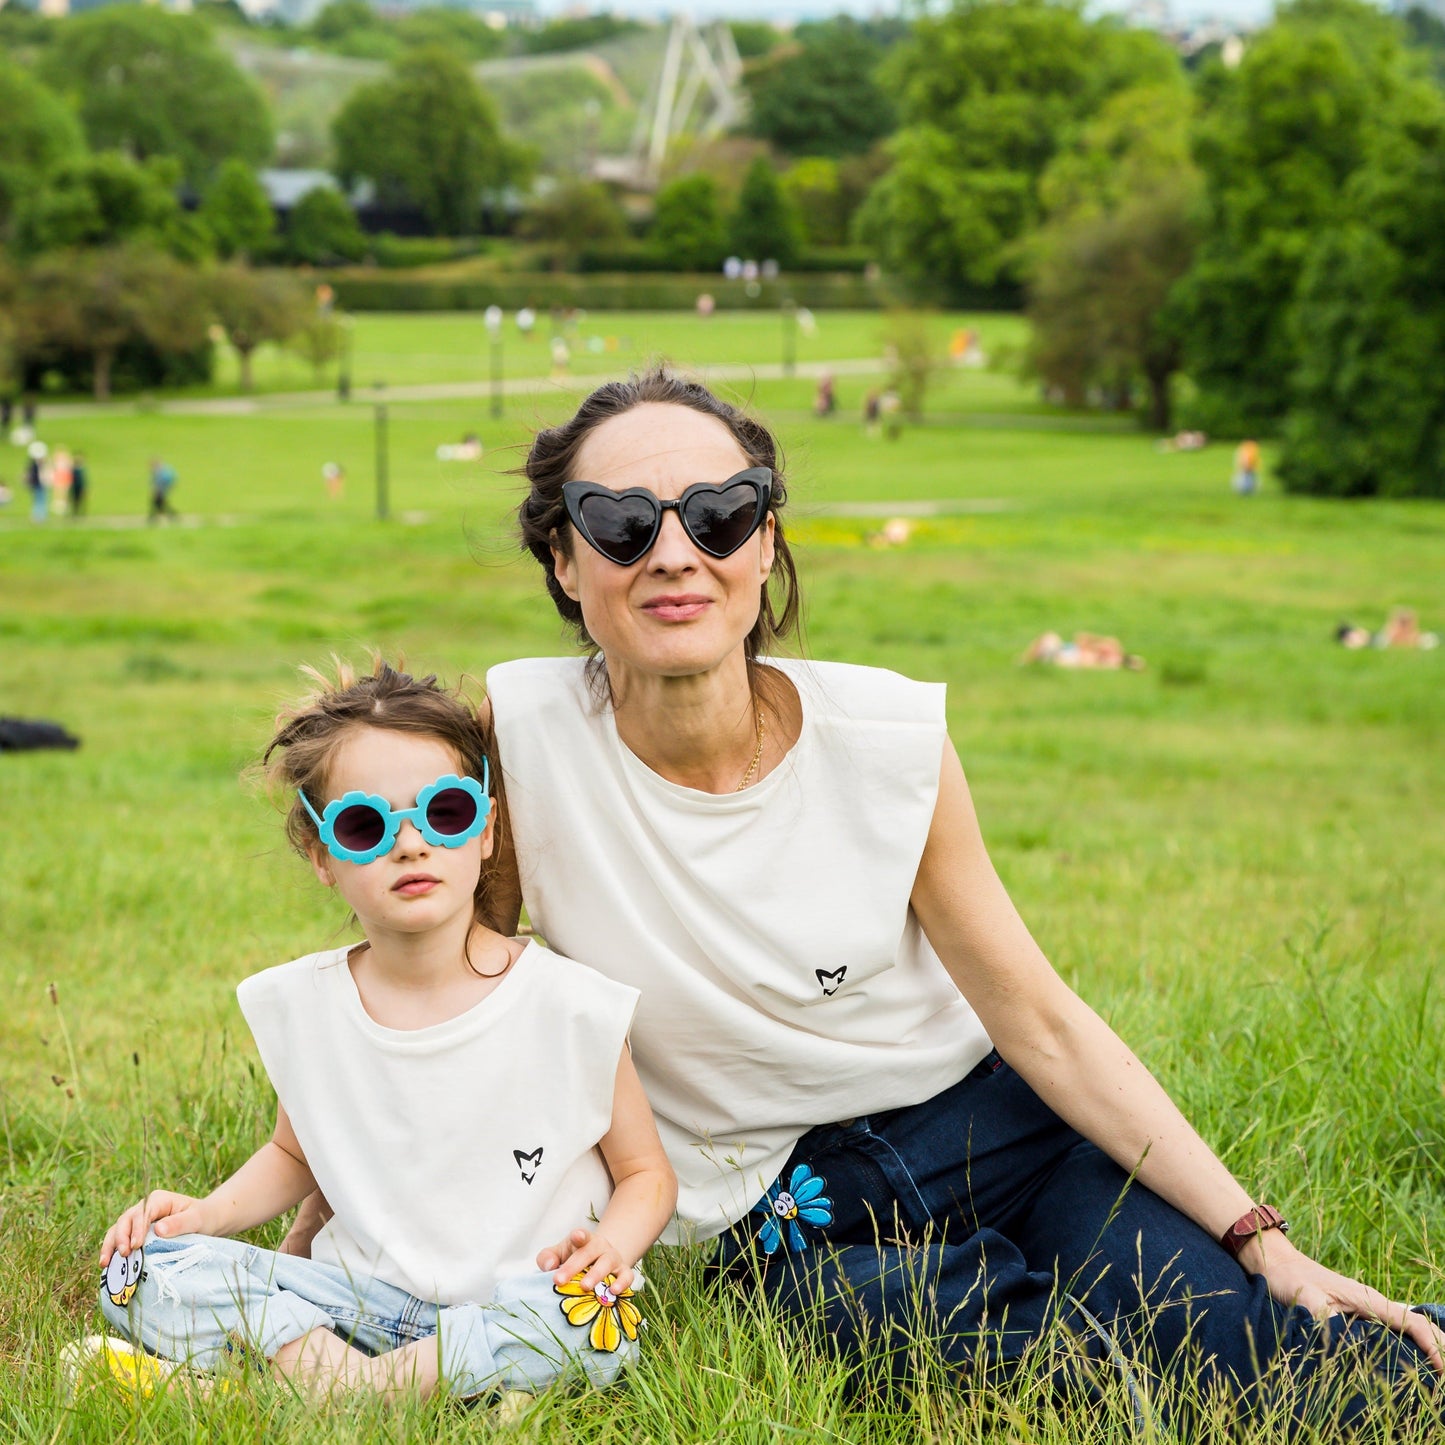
{"x":786,"y":1208}
{"x":122,"y":1276}
{"x":606,"y":1308}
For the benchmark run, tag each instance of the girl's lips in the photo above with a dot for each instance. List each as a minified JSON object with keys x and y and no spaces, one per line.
{"x":676,"y":609}
{"x":414,"y":887}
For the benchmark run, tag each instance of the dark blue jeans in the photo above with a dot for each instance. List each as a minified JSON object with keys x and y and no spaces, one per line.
{"x":982,"y":1222}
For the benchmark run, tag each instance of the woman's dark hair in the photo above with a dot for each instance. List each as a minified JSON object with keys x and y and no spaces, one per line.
{"x":298,"y":758}
{"x":542,"y":517}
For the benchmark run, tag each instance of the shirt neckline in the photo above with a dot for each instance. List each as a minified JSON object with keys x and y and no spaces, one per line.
{"x":482,"y":1014}
{"x":697,"y":798}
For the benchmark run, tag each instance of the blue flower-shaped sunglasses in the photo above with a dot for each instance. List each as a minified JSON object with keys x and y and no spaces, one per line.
{"x":359,"y":827}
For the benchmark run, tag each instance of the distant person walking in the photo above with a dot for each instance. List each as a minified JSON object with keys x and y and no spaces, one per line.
{"x":826,"y":401}
{"x":78,"y":483}
{"x":1246,"y":468}
{"x":163,"y":479}
{"x":37,"y":480}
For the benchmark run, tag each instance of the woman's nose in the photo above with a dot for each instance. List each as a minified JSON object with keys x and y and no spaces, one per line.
{"x":673,"y":551}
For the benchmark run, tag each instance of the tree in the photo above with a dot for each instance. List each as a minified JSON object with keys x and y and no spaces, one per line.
{"x":96,"y":302}
{"x":425,"y":135}
{"x":458,"y":30}
{"x":1367,"y":324}
{"x":1099,"y":299}
{"x":574,"y":214}
{"x":154,"y":84}
{"x":317,"y":340}
{"x":237,"y":211}
{"x":1311,"y":102}
{"x":821,"y":97}
{"x":40,"y":134}
{"x":253,"y":307}
{"x":107,"y":199}
{"x":687,"y":224}
{"x":764,"y":225}
{"x":1123,"y":203}
{"x":322,"y":229}
{"x":988,"y":93}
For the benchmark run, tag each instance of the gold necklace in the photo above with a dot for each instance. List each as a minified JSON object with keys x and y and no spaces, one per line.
{"x":757,"y":752}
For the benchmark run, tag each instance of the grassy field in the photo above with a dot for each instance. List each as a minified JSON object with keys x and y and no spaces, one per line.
{"x":1235,"y":854}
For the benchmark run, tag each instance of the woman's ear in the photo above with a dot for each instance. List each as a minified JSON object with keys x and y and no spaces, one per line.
{"x":562,"y":568}
{"x":769,"y":548}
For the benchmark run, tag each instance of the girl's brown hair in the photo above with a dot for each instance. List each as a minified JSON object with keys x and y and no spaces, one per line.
{"x":298,"y":757}
{"x":542,"y":517}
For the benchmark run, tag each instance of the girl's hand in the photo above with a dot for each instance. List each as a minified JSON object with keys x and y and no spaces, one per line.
{"x":1296,"y":1279}
{"x":170,"y":1213}
{"x":589,"y":1255}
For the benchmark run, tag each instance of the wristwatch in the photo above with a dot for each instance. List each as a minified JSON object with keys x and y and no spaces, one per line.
{"x":1247,"y":1226}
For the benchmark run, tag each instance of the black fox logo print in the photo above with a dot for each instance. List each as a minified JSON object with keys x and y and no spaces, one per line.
{"x":528,"y":1163}
{"x":830,"y":983}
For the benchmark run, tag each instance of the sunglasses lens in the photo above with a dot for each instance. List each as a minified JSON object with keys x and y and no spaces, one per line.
{"x":621,"y":528}
{"x":359,"y":828}
{"x":721,"y":521}
{"x":451,"y":811}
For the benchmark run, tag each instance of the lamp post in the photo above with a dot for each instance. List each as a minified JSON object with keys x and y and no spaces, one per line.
{"x":343,"y":373}
{"x":493,"y":320}
{"x":378,"y":415}
{"x":790,"y":335}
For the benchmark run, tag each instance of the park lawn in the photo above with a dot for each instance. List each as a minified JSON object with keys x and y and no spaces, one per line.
{"x":414,"y":348}
{"x":1234,"y":854}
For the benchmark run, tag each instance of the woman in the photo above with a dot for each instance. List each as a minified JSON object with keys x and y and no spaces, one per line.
{"x":784,"y":859}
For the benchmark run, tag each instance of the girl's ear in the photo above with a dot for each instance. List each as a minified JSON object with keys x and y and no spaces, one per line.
{"x":489,"y":833}
{"x":321,"y":866}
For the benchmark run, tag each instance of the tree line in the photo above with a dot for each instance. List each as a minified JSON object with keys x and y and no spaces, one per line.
{"x":1243,"y":242}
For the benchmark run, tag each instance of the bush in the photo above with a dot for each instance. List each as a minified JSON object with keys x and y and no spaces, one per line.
{"x":398,"y":253}
{"x":323,"y":230}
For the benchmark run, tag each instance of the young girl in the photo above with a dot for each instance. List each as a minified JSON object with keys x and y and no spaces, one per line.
{"x":462,"y":1099}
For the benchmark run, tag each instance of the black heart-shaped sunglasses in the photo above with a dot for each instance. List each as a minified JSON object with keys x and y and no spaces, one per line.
{"x":622,"y":526}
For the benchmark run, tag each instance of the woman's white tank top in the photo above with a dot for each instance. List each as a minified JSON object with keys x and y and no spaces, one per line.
{"x":785,"y":981}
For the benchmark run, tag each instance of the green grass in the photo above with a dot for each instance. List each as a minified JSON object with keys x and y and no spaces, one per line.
{"x":405,"y":349}
{"x":1235,"y":855}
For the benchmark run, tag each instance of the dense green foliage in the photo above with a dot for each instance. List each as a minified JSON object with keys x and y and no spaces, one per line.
{"x":155,"y":84}
{"x":764,"y":225}
{"x":426,"y":135}
{"x":821,"y":97}
{"x":688,"y":223}
{"x":322,"y":229}
{"x":987,"y":94}
{"x":237,"y":212}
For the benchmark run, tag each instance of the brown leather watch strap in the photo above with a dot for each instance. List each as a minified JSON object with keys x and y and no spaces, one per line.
{"x":1247,"y":1226}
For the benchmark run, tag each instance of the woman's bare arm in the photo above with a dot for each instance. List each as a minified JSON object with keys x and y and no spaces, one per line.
{"x":1077,"y":1064}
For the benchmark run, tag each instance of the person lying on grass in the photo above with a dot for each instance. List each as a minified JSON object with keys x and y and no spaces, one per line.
{"x":463,"y":1099}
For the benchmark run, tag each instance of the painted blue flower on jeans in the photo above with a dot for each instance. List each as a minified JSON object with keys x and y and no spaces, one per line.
{"x":783,"y":1209}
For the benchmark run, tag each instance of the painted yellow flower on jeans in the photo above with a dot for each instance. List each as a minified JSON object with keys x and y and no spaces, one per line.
{"x":606,"y":1308}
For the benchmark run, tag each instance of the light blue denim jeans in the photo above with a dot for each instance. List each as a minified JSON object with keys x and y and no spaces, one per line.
{"x":202,"y":1299}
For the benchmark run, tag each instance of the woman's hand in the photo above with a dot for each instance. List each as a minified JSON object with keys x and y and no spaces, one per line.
{"x":1296,"y":1279}
{"x":588,"y":1254}
{"x":170,"y":1214}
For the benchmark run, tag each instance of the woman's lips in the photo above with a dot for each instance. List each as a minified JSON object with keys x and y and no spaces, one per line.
{"x":677,"y":608}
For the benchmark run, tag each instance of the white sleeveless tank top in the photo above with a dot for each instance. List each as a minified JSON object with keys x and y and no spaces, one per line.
{"x":785,"y":981}
{"x":451,"y":1154}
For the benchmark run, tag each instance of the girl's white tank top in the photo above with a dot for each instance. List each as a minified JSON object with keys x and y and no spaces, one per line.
{"x":450,"y":1154}
{"x":785,"y":981}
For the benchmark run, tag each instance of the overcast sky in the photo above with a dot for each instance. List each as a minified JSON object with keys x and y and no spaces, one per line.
{"x":1246,"y":11}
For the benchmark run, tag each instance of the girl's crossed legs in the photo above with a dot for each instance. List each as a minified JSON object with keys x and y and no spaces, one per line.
{"x":201,"y":1300}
